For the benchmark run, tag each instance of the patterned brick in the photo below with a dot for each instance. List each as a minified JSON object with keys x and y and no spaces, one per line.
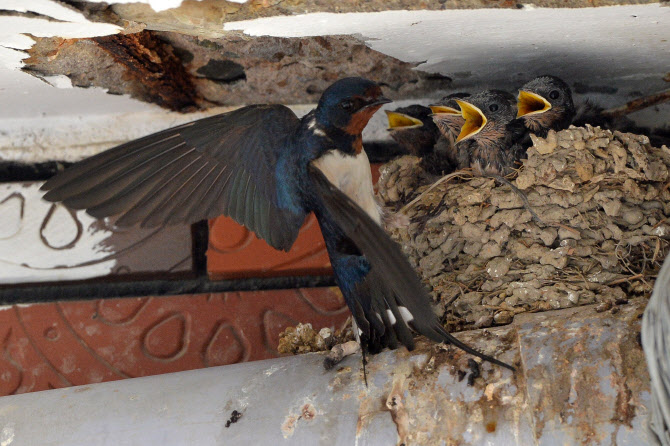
{"x":60,"y":344}
{"x":236,"y":252}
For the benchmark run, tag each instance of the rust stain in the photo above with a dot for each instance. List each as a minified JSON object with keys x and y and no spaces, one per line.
{"x":152,"y":63}
{"x":308,"y":412}
{"x":395,"y":403}
{"x":365,"y":411}
{"x":288,"y":426}
{"x":586,"y":387}
{"x":398,"y":413}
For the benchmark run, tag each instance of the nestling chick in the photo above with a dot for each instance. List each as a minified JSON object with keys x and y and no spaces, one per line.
{"x":545,"y":103}
{"x":491,"y":140}
{"x":413,"y":128}
{"x":449,"y":120}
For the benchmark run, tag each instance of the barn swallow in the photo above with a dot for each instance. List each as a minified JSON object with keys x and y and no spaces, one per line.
{"x":545,"y":103}
{"x":413,"y":128}
{"x":449,"y":120}
{"x":490,"y":140}
{"x":267,"y":169}
{"x":655,"y":334}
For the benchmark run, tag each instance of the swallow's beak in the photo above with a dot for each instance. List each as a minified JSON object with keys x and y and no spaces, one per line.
{"x":401,"y":120}
{"x":381,"y":100}
{"x":474,"y":120}
{"x":531,"y":104}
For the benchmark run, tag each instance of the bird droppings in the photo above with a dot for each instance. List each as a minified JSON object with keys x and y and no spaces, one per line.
{"x":395,"y":405}
{"x":288,"y":426}
{"x":303,"y":339}
{"x":475,"y":371}
{"x":306,"y":412}
{"x":603,"y":195}
{"x":234,"y":417}
{"x":595,"y":390}
{"x":339,"y":352}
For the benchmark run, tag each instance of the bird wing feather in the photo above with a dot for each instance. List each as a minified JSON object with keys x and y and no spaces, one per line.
{"x":223,"y":164}
{"x":390,"y":271}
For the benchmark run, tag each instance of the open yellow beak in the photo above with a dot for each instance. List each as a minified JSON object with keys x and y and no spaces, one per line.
{"x":442,"y":110}
{"x":401,"y":120}
{"x":531,"y":104}
{"x":474,"y":120}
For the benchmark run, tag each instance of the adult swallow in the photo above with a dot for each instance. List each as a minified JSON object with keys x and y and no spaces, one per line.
{"x":491,"y":139}
{"x":545,"y":103}
{"x":449,"y":120}
{"x":655,"y":335}
{"x":267,"y":169}
{"x":413,"y":128}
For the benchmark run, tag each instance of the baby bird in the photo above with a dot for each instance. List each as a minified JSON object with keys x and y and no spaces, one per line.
{"x":491,"y":139}
{"x":545,"y":103}
{"x":447,"y":116}
{"x":413,"y":128}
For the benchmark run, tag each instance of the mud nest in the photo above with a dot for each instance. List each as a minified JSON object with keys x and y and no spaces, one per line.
{"x":304,"y":339}
{"x":605,"y":203}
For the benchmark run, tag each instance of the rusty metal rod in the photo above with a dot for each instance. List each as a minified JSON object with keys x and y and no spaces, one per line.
{"x":638,"y":104}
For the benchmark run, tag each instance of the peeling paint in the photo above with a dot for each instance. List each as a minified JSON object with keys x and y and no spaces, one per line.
{"x":7,"y":435}
{"x":68,"y":23}
{"x":592,"y":390}
{"x":158,"y":5}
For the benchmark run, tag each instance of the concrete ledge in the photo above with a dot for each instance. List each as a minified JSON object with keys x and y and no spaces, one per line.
{"x":581,"y":379}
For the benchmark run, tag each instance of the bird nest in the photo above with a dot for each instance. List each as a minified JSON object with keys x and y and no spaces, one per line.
{"x":603,"y":202}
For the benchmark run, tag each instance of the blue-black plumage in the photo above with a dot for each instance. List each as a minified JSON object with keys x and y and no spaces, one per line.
{"x":267,"y":169}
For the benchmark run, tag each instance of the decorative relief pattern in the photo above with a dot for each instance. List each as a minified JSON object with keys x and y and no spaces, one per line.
{"x":41,"y":241}
{"x":54,"y":345}
{"x":236,"y":252}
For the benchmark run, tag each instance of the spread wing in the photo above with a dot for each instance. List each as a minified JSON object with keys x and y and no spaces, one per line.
{"x":656,"y":343}
{"x":394,"y":285}
{"x":223,"y":164}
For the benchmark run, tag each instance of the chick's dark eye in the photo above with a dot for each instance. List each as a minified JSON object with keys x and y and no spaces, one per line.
{"x":347,"y":105}
{"x":554,"y":94}
{"x":493,"y":107}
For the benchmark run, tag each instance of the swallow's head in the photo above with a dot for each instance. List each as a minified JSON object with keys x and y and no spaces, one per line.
{"x":486,"y":115}
{"x":545,"y":103}
{"x":349,"y":103}
{"x":447,"y":115}
{"x":413,"y":128}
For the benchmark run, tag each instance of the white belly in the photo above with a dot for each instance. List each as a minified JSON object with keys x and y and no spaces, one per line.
{"x":351,"y":174}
